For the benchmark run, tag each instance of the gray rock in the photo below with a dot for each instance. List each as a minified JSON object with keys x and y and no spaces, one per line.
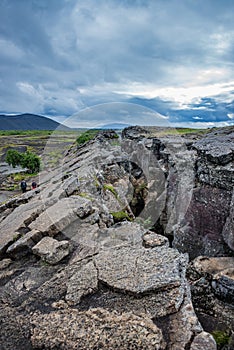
{"x":82,"y":279}
{"x":141,"y":280}
{"x":152,"y":239}
{"x":200,"y":231}
{"x":71,"y":185}
{"x":212,"y":287}
{"x":228,"y":229}
{"x":5,"y":263}
{"x":51,"y":250}
{"x":184,"y":324}
{"x":121,"y":269}
{"x":129,"y":269}
{"x":215,"y":162}
{"x":212,"y":265}
{"x":13,"y":333}
{"x":82,"y":252}
{"x":202,"y":341}
{"x":82,"y":233}
{"x":60,"y":215}
{"x":218,"y":146}
{"x":16,"y":222}
{"x":94,"y":329}
{"x":223,"y":285}
{"x":134,"y":133}
{"x":121,"y":234}
{"x":24,"y":244}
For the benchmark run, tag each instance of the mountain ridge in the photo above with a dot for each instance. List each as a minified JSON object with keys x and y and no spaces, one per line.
{"x":29,"y":121}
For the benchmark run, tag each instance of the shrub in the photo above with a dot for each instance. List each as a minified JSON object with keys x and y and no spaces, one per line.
{"x":13,"y":157}
{"x":30,"y":161}
{"x":27,"y":160}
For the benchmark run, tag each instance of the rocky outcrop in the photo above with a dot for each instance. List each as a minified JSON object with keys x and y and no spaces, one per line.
{"x":51,"y":250}
{"x":95,"y":329}
{"x":210,"y":207}
{"x":190,"y":187}
{"x":228,"y":229}
{"x":71,"y":277}
{"x":211,"y":280}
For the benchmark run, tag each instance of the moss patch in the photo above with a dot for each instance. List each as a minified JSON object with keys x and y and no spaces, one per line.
{"x":84,"y":195}
{"x":120,"y":216}
{"x":221,"y":338}
{"x":108,"y":187}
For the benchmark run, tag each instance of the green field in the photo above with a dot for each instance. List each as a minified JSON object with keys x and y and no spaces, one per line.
{"x":37,"y":141}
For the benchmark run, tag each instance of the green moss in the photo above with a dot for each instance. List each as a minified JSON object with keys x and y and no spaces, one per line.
{"x":115,"y":136}
{"x":108,"y":187}
{"x":87,"y":136}
{"x":120,"y":216}
{"x":221,"y":337}
{"x":84,"y":195}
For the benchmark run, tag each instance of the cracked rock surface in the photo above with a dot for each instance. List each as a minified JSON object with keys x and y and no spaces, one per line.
{"x":77,"y":271}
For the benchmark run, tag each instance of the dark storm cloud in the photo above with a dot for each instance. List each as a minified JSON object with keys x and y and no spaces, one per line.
{"x":59,"y":56}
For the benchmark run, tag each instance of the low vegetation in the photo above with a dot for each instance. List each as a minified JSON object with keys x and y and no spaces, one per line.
{"x":27,"y":160}
{"x":18,"y":177}
{"x":221,"y":338}
{"x":108,"y":187}
{"x":25,"y":132}
{"x":119,"y":216}
{"x":87,"y":136}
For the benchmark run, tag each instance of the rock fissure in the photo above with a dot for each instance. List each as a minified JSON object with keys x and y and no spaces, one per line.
{"x":90,"y":275}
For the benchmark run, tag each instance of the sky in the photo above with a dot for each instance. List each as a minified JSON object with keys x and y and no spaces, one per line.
{"x":128,"y":61}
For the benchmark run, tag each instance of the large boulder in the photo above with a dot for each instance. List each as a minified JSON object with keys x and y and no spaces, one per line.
{"x":24,"y":244}
{"x":200,"y":232}
{"x":51,"y":250}
{"x":61,"y":214}
{"x":216,"y":154}
{"x":16,"y":223}
{"x":212,"y":286}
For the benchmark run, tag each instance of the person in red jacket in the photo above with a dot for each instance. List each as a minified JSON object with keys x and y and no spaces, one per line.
{"x":34,"y":185}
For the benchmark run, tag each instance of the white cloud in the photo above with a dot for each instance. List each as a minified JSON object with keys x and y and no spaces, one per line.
{"x":201,"y":125}
{"x":57,"y":57}
{"x":183,"y":96}
{"x":197,"y":118}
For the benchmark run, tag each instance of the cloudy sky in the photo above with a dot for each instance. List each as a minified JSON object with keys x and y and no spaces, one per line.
{"x":59,"y":58}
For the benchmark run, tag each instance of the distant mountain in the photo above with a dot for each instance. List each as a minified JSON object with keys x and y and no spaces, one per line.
{"x":29,"y":122}
{"x":114,"y":126}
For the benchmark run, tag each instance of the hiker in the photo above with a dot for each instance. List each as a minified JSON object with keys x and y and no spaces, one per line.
{"x":23,"y":186}
{"x":34,"y":185}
